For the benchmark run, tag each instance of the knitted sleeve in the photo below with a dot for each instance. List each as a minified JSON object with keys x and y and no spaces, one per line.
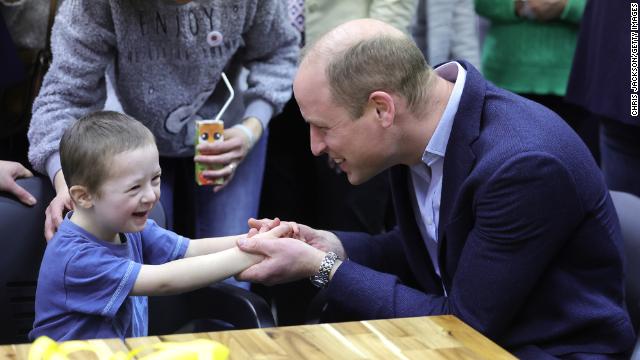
{"x":82,"y":45}
{"x":271,"y":55}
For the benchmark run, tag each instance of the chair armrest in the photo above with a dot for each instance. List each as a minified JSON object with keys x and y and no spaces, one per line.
{"x":231,"y":304}
{"x":217,"y":307}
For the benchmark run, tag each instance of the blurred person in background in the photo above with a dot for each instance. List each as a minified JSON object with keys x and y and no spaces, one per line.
{"x":529,"y":49}
{"x":599,"y":83}
{"x":447,"y":30}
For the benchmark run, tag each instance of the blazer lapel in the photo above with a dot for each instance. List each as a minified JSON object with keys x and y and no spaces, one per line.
{"x":459,"y":160}
{"x":414,"y":246}
{"x":459,"y":157}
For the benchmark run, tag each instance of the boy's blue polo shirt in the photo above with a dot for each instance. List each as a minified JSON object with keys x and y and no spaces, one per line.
{"x":84,"y":283}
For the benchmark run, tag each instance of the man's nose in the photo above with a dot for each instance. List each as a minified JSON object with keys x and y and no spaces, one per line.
{"x":317,"y":141}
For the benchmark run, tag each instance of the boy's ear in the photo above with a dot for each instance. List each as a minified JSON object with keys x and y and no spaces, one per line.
{"x":81,"y":196}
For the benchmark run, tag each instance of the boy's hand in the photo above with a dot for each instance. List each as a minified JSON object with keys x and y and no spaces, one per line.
{"x":281,"y":230}
{"x":259,"y":226}
{"x":319,"y":239}
{"x":265,"y":225}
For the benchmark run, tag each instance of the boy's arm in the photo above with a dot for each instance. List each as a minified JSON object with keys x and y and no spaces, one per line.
{"x":191,"y":273}
{"x":206,"y":246}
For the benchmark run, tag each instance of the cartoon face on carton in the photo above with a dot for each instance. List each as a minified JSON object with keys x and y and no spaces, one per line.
{"x":208,"y":131}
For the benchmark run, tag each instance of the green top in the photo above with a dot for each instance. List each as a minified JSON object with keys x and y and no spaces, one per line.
{"x":528,"y":56}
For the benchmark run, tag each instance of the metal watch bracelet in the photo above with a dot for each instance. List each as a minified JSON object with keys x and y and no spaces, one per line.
{"x":321,"y":278}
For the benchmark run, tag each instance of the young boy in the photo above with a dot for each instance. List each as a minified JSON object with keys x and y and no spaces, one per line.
{"x":107,"y":256}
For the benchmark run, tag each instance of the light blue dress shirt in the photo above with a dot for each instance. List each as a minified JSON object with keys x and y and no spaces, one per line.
{"x":426,"y":177}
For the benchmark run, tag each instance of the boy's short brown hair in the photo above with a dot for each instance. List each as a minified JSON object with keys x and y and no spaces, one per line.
{"x":89,"y":145}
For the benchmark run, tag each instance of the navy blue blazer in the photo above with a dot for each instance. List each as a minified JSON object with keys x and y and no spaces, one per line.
{"x":530,"y":249}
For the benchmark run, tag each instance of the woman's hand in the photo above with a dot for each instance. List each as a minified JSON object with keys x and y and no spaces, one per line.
{"x":228,"y":154}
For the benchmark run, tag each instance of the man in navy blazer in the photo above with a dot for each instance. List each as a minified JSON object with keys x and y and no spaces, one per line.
{"x":503,"y":216}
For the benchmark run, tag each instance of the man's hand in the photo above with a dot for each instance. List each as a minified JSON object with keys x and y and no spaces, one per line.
{"x":56,"y":209}
{"x":285,"y":260}
{"x":546,"y":10}
{"x":320,"y":239}
{"x":9,"y":172}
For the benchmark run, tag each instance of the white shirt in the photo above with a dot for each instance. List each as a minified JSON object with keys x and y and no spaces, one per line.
{"x":426,"y":177}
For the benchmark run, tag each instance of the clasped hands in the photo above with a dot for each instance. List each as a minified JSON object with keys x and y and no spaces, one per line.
{"x":293,"y":256}
{"x":542,"y":10}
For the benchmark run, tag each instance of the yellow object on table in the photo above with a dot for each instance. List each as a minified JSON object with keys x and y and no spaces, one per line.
{"x":425,"y":337}
{"x":44,"y":348}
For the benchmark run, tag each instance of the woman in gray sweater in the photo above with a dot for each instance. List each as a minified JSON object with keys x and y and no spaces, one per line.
{"x":167,"y":59}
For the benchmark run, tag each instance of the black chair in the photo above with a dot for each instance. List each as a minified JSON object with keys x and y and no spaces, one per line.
{"x":23,"y":243}
{"x":628,"y":209}
{"x":217,"y":307}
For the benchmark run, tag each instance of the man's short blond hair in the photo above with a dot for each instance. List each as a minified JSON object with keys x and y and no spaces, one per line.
{"x":380,"y":63}
{"x":88,"y":147}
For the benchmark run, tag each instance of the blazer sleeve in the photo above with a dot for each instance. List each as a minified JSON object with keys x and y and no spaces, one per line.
{"x":521,"y":221}
{"x":382,"y":252}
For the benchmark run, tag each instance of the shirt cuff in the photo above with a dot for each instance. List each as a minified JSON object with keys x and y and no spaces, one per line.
{"x":53,"y":166}
{"x":261,"y":110}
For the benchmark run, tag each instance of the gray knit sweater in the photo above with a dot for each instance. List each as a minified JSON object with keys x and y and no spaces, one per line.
{"x":167,"y":60}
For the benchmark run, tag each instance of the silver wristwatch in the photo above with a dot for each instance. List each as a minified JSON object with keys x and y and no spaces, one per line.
{"x":321,"y":278}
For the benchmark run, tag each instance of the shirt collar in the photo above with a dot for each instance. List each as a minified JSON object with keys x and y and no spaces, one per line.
{"x":451,"y":71}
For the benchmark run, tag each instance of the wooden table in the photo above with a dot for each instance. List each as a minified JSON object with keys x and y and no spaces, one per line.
{"x":434,"y":337}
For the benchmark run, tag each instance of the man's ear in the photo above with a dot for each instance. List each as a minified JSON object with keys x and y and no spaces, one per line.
{"x":385,"y":107}
{"x":81,"y":196}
